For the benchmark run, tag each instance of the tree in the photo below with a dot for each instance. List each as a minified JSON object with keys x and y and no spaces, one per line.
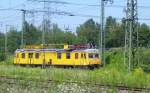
{"x":70,"y":38}
{"x":57,"y":35}
{"x":14,"y":40}
{"x":88,"y":32}
{"x":32,"y":35}
{"x":144,"y":35}
{"x":2,"y":56}
{"x":114,"y":33}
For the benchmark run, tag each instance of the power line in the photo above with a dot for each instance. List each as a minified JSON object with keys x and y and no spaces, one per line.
{"x":117,"y":6}
{"x":78,"y":4}
{"x":63,"y":13}
{"x":121,"y":6}
{"x":91,"y":5}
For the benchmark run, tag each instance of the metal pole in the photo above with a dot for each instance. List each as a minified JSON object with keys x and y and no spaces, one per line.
{"x":130,"y":47}
{"x":44,"y":25}
{"x":33,"y":18}
{"x":23,"y":28}
{"x":137,"y":33}
{"x":102,"y":33}
{"x":125,"y":41}
{"x":6,"y":42}
{"x":43,"y":35}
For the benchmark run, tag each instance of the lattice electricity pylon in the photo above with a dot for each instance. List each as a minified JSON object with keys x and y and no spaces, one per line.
{"x":131,"y":34}
{"x":46,"y":27}
{"x":102,"y":32}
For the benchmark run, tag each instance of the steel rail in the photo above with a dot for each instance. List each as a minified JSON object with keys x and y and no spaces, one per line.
{"x":119,"y":86}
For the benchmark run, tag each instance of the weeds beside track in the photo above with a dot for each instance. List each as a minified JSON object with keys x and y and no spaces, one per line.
{"x":14,"y":81}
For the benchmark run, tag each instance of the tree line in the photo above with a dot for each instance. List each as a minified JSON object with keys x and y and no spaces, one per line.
{"x":88,"y":32}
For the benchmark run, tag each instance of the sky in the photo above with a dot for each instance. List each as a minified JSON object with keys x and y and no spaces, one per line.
{"x":14,"y":18}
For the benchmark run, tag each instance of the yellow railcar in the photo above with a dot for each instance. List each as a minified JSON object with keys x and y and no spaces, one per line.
{"x":57,"y":57}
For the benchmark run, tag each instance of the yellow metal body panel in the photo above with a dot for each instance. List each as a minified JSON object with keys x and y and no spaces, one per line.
{"x":50,"y":58}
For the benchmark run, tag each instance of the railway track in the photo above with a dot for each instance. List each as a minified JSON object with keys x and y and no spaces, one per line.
{"x":119,"y":87}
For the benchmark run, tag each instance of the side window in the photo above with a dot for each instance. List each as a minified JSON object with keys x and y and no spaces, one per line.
{"x":23,"y":55}
{"x":96,"y":55}
{"x":82,"y":56}
{"x":58,"y":55}
{"x":37,"y":55}
{"x":90,"y":55}
{"x":67,"y":55}
{"x":30,"y":55}
{"x":76,"y":55}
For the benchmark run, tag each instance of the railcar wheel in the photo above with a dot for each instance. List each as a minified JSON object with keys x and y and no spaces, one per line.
{"x":91,"y":67}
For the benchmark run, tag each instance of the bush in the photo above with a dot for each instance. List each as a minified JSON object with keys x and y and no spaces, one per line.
{"x":145,"y":61}
{"x":2,"y":56}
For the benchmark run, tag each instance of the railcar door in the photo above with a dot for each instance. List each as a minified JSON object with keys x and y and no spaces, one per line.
{"x":31,"y":58}
{"x":17,"y":59}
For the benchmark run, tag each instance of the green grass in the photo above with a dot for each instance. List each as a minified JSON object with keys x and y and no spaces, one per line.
{"x":115,"y":73}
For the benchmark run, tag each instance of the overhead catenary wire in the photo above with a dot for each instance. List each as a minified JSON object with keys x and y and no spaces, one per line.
{"x":76,"y":14}
{"x":59,"y":12}
{"x":80,"y":4}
